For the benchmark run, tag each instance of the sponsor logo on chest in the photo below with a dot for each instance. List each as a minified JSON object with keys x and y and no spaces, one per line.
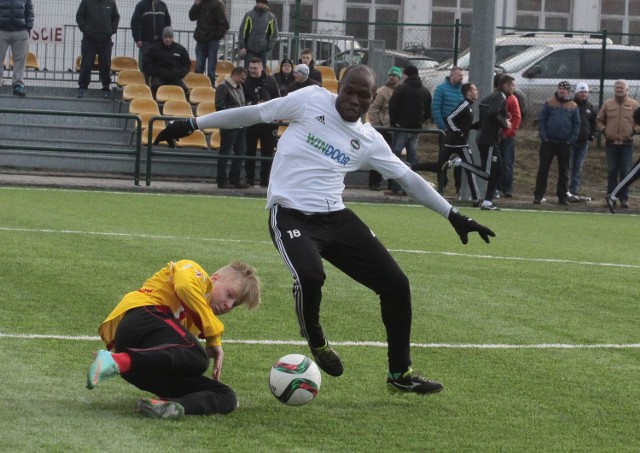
{"x":328,"y":150}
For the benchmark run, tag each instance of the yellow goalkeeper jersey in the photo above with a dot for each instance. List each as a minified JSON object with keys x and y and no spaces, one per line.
{"x":185,"y":289}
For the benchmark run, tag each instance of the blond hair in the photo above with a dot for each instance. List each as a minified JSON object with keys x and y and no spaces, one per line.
{"x":248,"y":282}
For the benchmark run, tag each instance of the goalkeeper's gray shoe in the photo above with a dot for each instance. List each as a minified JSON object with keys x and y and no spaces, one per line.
{"x":412,"y":382}
{"x":154,"y":408}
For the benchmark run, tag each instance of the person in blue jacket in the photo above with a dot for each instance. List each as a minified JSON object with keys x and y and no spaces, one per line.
{"x":559,"y":125}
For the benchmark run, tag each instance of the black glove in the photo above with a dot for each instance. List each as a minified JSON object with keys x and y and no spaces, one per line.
{"x":175,"y":130}
{"x":464,"y":225}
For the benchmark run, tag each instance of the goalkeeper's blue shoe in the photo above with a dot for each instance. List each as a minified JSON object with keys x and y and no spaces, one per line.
{"x":328,"y":360}
{"x":412,"y":382}
{"x":153,"y":408}
{"x":103,"y":367}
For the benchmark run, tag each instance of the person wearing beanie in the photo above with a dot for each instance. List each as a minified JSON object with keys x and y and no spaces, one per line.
{"x":301,"y":77}
{"x":211,"y":26}
{"x":379,"y":116}
{"x":306,"y":57}
{"x":258,"y":33}
{"x":587,"y":134}
{"x":559,"y":126}
{"x":98,"y":21}
{"x":284,"y":76}
{"x":149,"y":18}
{"x":409,"y":107}
{"x":166,"y":62}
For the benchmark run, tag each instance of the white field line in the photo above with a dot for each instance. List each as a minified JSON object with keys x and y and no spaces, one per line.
{"x":424,"y":252}
{"x":372,"y":344}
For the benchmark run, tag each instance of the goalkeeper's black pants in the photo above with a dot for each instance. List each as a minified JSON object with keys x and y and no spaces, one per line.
{"x":341,"y":238}
{"x":167,"y":360}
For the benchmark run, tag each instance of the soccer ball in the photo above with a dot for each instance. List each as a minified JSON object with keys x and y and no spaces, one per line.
{"x":295,"y":380}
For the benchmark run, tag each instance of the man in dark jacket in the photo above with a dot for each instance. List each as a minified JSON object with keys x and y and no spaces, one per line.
{"x":147,"y":22}
{"x":493,"y":118}
{"x":211,"y":26}
{"x":588,"y":115}
{"x":230,"y":95}
{"x":409,"y":107}
{"x":259,"y":87}
{"x":166,"y":62}
{"x":16,"y":21}
{"x":98,"y":20}
{"x":559,"y":125}
{"x":258,"y":33}
{"x":284,"y":77}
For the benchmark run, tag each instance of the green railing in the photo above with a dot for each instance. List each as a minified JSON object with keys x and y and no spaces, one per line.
{"x":135,"y":151}
{"x":207,"y":154}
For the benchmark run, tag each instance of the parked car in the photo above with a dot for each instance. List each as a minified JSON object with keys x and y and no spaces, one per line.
{"x":438,"y":54}
{"x":506,"y":46}
{"x":538,"y":70}
{"x":390,"y":57}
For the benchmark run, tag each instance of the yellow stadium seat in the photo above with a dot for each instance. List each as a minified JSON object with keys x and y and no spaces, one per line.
{"x":327,"y":72}
{"x":157,"y":127}
{"x":214,"y":140}
{"x":331,"y":85}
{"x":127,"y":76}
{"x":194,"y":140}
{"x":139,"y":105}
{"x":79,"y":63}
{"x":170,"y":93}
{"x":193,"y":80}
{"x":224,"y":67}
{"x":342,"y":72}
{"x":122,"y":62}
{"x":31,"y":62}
{"x":136,"y":90}
{"x":193,"y":66}
{"x":220,"y":79}
{"x":202,"y":94}
{"x":177,"y":108}
{"x":204,"y":108}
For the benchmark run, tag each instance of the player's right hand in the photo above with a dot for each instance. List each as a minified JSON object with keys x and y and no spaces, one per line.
{"x":175,"y":130}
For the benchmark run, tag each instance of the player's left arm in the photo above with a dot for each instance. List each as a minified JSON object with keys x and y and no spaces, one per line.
{"x":426,"y":195}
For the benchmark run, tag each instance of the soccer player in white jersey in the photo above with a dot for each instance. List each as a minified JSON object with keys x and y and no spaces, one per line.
{"x":308,"y":221}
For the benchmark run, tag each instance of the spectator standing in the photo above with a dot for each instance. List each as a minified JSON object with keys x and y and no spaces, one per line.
{"x":301,"y":78}
{"x":306,"y":57}
{"x":379,"y":116}
{"x":559,"y":125}
{"x":409,"y":107}
{"x":258,"y":33}
{"x":493,"y":118}
{"x":149,"y":19}
{"x":615,"y":123}
{"x":587,"y":132}
{"x":151,"y":341}
{"x":258,"y":88}
{"x":284,"y":76}
{"x":16,"y":22}
{"x":508,"y":144}
{"x":98,"y":21}
{"x":230,"y":95}
{"x":446,"y":97}
{"x":457,"y":151}
{"x":211,"y":26}
{"x":166,"y":62}
{"x":631,"y":177}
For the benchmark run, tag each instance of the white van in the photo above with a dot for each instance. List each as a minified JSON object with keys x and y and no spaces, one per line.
{"x":506,"y":47}
{"x":538,"y":70}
